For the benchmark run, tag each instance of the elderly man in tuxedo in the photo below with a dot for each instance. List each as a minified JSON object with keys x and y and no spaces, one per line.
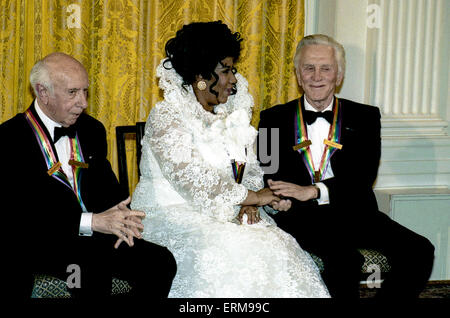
{"x":329,"y":151}
{"x":62,"y":205}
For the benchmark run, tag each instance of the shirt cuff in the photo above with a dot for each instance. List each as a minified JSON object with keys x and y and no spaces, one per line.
{"x":269,"y":209}
{"x":324,"y":196}
{"x":86,"y":224}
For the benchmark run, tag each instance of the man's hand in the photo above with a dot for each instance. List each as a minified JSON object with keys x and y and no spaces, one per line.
{"x":292,"y":190}
{"x":137,"y":231}
{"x":282,"y":205}
{"x":120,"y":221}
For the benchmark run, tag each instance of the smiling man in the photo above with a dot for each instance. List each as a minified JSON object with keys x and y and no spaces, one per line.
{"x":62,"y":203}
{"x":328,"y":161}
{"x":319,"y":74}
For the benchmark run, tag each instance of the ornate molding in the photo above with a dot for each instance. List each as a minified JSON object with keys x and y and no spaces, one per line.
{"x":412,"y":126}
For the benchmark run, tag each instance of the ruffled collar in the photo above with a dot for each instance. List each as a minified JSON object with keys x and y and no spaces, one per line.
{"x":185,"y":101}
{"x":231,"y":122}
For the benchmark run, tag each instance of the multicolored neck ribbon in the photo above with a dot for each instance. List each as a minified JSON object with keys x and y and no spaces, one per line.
{"x":238,"y":170}
{"x":302,"y":142}
{"x":77,"y":162}
{"x":53,"y":165}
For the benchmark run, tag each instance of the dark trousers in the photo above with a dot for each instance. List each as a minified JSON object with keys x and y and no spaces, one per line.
{"x":335,"y":237}
{"x":149,"y":268}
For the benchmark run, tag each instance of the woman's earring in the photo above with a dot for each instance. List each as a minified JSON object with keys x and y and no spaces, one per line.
{"x":201,"y":85}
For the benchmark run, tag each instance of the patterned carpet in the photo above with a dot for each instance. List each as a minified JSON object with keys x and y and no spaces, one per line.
{"x":50,"y":287}
{"x":434,"y":289}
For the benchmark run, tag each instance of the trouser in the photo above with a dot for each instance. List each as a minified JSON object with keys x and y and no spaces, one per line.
{"x":88,"y":265}
{"x":335,"y":238}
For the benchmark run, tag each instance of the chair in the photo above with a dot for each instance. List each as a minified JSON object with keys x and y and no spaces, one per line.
{"x":121,"y":134}
{"x":46,"y":286}
{"x":371,"y":257}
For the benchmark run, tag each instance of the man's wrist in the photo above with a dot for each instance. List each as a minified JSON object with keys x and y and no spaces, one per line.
{"x":317,"y":196}
{"x":86,"y":224}
{"x":323,"y":195}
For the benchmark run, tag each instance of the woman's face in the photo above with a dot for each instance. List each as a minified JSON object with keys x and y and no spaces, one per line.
{"x":223,"y":87}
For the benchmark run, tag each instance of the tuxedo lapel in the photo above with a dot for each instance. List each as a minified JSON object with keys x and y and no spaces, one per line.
{"x":349,"y":133}
{"x":53,"y":165}
{"x":298,"y":154}
{"x":292,"y":166}
{"x":44,"y":128}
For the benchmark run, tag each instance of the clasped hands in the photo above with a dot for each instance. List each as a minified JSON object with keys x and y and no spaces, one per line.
{"x":126,"y":224}
{"x":275,"y":196}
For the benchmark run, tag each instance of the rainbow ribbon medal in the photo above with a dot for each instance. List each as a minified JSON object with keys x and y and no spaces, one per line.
{"x":53,"y":166}
{"x":77,"y":163}
{"x":302,"y":142}
{"x":238,"y":170}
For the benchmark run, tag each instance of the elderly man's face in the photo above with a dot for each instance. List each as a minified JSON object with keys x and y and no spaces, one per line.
{"x":70,"y":87}
{"x":69,"y":98}
{"x":317,"y":74}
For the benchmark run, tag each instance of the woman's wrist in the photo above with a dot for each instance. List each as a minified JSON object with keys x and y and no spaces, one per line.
{"x":251,"y":199}
{"x":258,"y":199}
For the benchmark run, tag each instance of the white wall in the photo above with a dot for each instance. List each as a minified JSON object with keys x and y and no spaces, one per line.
{"x":397,"y":59}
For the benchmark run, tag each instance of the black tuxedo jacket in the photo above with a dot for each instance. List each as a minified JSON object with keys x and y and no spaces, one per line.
{"x":354,"y":167}
{"x":40,"y":209}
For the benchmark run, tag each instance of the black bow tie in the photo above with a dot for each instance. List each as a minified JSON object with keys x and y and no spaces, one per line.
{"x":63,"y":131}
{"x":310,"y":116}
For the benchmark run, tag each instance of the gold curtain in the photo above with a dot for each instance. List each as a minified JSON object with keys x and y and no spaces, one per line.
{"x":121,"y":42}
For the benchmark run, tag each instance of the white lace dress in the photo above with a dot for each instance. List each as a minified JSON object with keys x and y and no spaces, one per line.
{"x":191,"y":200}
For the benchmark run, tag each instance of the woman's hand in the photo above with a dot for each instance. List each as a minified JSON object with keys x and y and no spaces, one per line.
{"x":266,"y":196}
{"x":252,"y":214}
{"x":262,"y":197}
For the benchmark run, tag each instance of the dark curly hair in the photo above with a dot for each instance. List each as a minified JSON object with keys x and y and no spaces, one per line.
{"x":199,"y":46}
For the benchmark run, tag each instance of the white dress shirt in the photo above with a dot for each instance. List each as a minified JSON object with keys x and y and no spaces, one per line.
{"x":63,"y":150}
{"x":317,"y":132}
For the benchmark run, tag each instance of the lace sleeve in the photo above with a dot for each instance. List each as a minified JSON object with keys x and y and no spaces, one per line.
{"x":253,"y":176}
{"x":172,"y":145}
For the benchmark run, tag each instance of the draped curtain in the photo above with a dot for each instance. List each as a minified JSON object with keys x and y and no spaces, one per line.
{"x":120,"y":42}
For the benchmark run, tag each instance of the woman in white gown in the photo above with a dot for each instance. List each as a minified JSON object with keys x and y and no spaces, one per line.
{"x":194,"y":205}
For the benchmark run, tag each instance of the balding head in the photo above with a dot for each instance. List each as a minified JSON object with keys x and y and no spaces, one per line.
{"x":60,"y":84}
{"x":49,"y":70}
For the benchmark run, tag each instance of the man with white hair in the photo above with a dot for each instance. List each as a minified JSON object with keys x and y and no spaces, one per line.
{"x":63,"y":206}
{"x":329,"y":152}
